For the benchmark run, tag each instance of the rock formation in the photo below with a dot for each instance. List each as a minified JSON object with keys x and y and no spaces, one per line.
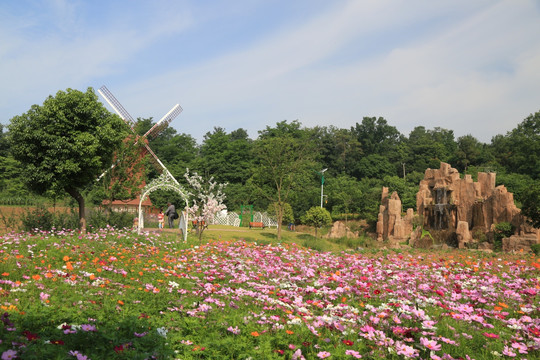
{"x":456,"y":208}
{"x":390,"y":224}
{"x":339,"y":230}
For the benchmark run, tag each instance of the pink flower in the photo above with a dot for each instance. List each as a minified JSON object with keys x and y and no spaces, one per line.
{"x":235,"y":330}
{"x":298,"y":355}
{"x":430,"y":344}
{"x":508,"y":352}
{"x":323,"y":354}
{"x":406,"y":350}
{"x":522,"y":348}
{"x":88,"y":327}
{"x":9,"y":354}
{"x":353,"y":353}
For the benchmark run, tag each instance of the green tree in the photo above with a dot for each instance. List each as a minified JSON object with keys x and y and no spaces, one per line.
{"x":376,"y":136}
{"x":427,"y":148}
{"x":66,"y":143}
{"x":288,"y":215}
{"x":317,"y":217}
{"x":4,"y":143}
{"x":343,"y":192}
{"x":530,"y":206}
{"x":519,"y":150}
{"x":282,"y":162}
{"x":469,"y":152}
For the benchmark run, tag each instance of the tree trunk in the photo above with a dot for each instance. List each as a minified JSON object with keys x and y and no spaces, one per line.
{"x":80,"y":200}
{"x":279,"y":220}
{"x":200,"y":229}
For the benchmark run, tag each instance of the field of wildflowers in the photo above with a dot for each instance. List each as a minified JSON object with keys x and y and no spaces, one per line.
{"x":117,"y":295}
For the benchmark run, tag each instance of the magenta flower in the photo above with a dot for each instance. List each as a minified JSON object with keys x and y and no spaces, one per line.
{"x":323,"y":354}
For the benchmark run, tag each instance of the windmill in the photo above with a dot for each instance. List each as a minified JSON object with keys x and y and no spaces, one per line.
{"x":152,"y":133}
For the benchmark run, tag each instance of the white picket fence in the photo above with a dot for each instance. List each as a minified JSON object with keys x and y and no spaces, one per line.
{"x":233,"y":219}
{"x":265,"y":219}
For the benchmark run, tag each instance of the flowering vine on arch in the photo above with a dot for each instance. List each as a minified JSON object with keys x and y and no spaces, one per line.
{"x":165,"y":182}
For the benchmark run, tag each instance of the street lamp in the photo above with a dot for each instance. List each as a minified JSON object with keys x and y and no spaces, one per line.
{"x":322,"y":184}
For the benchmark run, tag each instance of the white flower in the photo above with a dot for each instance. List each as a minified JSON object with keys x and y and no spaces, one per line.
{"x":162,"y":331}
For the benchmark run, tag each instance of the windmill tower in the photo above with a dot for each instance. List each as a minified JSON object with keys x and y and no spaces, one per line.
{"x":161,"y":125}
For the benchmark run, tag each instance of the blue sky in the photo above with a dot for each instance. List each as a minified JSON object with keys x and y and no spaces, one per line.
{"x":472,"y":66}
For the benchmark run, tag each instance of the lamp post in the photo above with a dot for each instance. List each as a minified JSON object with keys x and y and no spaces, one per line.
{"x":322,"y":184}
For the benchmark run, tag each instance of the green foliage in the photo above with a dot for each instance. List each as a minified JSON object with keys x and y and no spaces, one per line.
{"x":536,"y":249}
{"x":288,"y":216}
{"x":344,"y":192}
{"x":530,"y":204}
{"x":519,"y":150}
{"x":283,"y":163}
{"x":66,"y":143}
{"x":43,"y":219}
{"x":502,"y":230}
{"x":99,"y":219}
{"x":317,"y":217}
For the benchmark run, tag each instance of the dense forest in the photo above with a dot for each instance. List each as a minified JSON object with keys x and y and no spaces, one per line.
{"x":285,"y":161}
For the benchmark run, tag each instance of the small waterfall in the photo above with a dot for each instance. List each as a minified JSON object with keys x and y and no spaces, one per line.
{"x":441,"y":210}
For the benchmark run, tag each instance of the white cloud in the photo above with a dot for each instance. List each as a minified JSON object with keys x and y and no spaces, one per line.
{"x":466,"y":66}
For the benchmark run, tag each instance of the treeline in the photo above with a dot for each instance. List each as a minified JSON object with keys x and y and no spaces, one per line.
{"x":359,"y":161}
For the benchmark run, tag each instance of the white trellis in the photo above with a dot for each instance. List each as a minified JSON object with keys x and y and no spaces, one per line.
{"x":265,"y":219}
{"x":165,"y":182}
{"x":232,"y":219}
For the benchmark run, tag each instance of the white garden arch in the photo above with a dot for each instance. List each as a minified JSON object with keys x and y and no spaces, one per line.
{"x":165,"y":182}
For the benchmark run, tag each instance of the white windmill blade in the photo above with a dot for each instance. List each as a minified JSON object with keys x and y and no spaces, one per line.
{"x":106,"y":171}
{"x":115,"y":104}
{"x":157,"y":162}
{"x":164,"y":122}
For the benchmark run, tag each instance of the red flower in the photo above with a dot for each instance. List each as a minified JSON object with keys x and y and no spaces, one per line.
{"x":348,"y":342}
{"x":30,"y":336}
{"x":57,"y":342}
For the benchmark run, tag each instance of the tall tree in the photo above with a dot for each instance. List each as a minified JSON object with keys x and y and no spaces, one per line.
{"x":519,"y":150}
{"x":376,"y":136}
{"x":469,"y":152}
{"x":282,"y":162}
{"x":427,"y":148}
{"x":343,"y":192}
{"x":66,"y":143}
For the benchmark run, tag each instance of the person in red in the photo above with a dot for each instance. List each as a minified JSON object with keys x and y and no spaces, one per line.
{"x":161,"y":219}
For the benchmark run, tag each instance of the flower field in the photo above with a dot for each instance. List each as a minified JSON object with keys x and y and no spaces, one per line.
{"x":117,"y":295}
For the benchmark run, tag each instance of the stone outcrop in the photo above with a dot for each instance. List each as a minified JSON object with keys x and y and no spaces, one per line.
{"x":463,"y":235}
{"x":519,"y":243}
{"x":454,"y":208}
{"x":340,"y":230}
{"x":390,"y":223}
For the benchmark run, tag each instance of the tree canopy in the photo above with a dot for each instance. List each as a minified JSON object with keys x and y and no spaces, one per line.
{"x":66,"y":143}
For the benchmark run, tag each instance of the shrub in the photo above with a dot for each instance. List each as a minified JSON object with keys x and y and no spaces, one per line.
{"x":502,"y":230}
{"x":38,"y":218}
{"x":100,"y":219}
